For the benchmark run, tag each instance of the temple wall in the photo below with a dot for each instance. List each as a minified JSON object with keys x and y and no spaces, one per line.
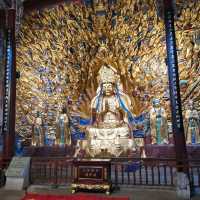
{"x":188,"y":46}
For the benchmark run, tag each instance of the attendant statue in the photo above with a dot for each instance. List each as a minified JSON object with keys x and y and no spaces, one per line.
{"x":62,"y":128}
{"x":109,"y":132}
{"x":158,"y":123}
{"x":38,"y":131}
{"x":192,"y":124}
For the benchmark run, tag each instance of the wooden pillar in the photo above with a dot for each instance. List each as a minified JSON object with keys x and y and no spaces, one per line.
{"x":9,"y":88}
{"x":2,"y":73}
{"x":172,"y":63}
{"x":2,"y":62}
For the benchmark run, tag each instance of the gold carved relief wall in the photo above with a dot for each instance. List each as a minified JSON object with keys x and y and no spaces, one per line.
{"x":61,"y":49}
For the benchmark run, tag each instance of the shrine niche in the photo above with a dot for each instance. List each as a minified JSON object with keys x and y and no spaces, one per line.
{"x":61,"y":50}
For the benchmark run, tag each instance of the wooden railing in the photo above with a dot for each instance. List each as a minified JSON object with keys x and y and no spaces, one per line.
{"x":54,"y":171}
{"x":151,"y":172}
{"x":124,"y":171}
{"x":194,"y":171}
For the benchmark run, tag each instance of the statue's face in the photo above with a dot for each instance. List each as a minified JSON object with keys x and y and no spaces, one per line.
{"x":156,"y":103}
{"x":108,"y":89}
{"x":191,"y":107}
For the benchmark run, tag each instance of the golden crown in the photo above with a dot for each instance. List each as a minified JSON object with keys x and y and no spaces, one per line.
{"x":103,"y":47}
{"x":99,"y":5}
{"x":108,"y":74}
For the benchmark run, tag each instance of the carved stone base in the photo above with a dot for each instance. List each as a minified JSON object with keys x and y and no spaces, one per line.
{"x":183,"y":186}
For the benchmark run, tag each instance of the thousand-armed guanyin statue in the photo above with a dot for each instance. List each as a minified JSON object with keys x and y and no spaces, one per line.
{"x":109,"y":132}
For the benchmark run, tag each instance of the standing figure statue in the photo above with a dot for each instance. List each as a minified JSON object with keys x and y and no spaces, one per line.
{"x":192,"y":124}
{"x":38,"y":131}
{"x":158,"y":123}
{"x":63,"y":136}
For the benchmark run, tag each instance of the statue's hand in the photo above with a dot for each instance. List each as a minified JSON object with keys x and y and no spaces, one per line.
{"x":95,"y":124}
{"x":106,"y":107}
{"x":140,"y":126}
{"x":104,"y":112}
{"x":120,"y":109}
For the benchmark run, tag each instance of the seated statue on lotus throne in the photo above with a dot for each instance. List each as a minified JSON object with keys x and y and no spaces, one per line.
{"x":109,"y":132}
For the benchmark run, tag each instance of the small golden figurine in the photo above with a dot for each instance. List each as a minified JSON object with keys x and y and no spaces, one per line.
{"x":38,"y":131}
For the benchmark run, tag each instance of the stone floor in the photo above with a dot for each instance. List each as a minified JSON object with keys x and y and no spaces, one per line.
{"x":137,"y":193}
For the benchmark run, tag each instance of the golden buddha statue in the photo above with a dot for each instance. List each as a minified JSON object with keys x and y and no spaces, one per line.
{"x":109,"y":133}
